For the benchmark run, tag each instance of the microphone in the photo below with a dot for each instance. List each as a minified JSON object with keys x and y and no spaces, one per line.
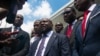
{"x":14,"y":6}
{"x":12,"y":11}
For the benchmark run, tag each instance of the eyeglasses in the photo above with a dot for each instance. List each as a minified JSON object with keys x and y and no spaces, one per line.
{"x":66,"y":12}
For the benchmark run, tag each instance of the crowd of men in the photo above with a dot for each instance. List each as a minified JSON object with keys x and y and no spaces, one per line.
{"x":79,"y":38}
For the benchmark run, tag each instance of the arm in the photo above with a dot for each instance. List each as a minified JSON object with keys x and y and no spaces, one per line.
{"x":65,"y":47}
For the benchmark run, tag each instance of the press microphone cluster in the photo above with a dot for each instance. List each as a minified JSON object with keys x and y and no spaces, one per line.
{"x":5,"y":35}
{"x":14,"y":6}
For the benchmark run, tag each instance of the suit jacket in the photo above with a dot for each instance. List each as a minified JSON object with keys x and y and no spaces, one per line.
{"x":72,"y":37}
{"x":21,"y":47}
{"x":90,"y":45}
{"x":58,"y":45}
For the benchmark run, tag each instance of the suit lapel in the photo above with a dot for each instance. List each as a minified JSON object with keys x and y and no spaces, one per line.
{"x":93,"y":14}
{"x":34,"y":47}
{"x":74,"y":30}
{"x":52,"y":38}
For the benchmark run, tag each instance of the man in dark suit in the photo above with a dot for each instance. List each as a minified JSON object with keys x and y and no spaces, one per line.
{"x":51,"y":43}
{"x":7,"y":9}
{"x":88,"y":32}
{"x":20,"y":45}
{"x":69,"y":16}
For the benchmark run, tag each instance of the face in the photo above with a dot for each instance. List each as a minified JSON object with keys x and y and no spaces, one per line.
{"x":82,"y":5}
{"x":58,"y":27}
{"x":46,"y":25}
{"x":68,"y":15}
{"x":37,"y":26}
{"x":18,"y":20}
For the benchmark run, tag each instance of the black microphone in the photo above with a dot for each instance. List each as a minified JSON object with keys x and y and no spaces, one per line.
{"x":12,"y":11}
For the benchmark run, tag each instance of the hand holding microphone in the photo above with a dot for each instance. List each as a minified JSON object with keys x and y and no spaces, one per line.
{"x":6,"y":39}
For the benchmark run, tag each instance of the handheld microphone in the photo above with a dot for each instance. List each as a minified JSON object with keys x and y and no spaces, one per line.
{"x":12,"y":11}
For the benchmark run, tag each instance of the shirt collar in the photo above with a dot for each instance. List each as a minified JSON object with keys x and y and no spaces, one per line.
{"x":74,"y":22}
{"x":14,"y":27}
{"x":92,"y":7}
{"x":49,"y":33}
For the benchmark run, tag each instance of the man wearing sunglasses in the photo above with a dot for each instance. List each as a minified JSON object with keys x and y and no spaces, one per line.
{"x":69,"y":16}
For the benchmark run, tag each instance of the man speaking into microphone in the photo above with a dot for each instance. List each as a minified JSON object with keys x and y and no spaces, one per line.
{"x":8,"y":8}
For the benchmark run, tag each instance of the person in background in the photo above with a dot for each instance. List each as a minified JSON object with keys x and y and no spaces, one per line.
{"x":58,"y":27}
{"x":21,"y":42}
{"x":51,"y":43}
{"x":88,"y":32}
{"x":69,"y":16}
{"x":36,"y":32}
{"x":32,"y":33}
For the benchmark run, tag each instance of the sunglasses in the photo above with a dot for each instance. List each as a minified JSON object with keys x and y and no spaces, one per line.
{"x":66,"y":12}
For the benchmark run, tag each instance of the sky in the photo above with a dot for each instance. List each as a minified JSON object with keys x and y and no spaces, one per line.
{"x":37,"y":9}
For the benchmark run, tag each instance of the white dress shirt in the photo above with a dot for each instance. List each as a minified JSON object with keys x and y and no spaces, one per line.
{"x":13,"y":27}
{"x":12,"y":30}
{"x":45,"y":44}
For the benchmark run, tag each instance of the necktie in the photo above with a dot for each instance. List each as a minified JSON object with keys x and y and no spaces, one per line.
{"x":84,"y":23}
{"x":69,"y":30}
{"x":39,"y":52}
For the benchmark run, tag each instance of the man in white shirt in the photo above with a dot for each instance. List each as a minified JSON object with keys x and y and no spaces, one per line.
{"x":21,"y":41}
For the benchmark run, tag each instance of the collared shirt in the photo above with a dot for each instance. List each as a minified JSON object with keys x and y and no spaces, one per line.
{"x":13,"y":27}
{"x":90,"y":10}
{"x":33,"y":39}
{"x":45,"y":44}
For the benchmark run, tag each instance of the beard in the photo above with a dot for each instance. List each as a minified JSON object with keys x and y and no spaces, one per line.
{"x":44,"y":31}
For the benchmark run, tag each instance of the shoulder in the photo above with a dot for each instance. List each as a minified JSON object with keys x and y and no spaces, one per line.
{"x":61,"y":36}
{"x":97,"y":7}
{"x":24,"y":31}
